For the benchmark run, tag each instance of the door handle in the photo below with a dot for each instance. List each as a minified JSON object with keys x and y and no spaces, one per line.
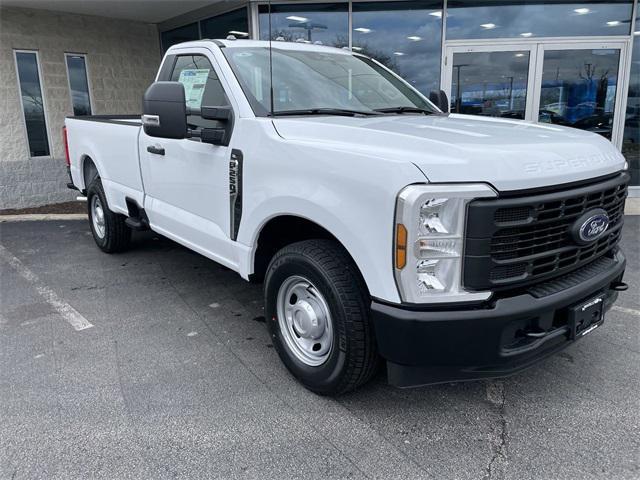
{"x":155,"y":150}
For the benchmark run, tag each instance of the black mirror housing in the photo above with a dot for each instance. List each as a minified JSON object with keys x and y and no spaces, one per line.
{"x":164,"y":110}
{"x":439,"y":99}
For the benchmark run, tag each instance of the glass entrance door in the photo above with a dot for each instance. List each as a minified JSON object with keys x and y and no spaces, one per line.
{"x":491,"y":82}
{"x":574,"y":84}
{"x":578,"y":86}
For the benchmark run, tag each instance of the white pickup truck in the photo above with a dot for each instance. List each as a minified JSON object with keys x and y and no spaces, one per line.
{"x":451,"y":247}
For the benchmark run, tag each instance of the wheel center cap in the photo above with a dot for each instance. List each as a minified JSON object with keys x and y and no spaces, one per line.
{"x":306,"y":321}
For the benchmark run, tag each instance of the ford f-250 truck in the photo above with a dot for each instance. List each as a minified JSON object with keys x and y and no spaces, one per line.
{"x":452,"y":247}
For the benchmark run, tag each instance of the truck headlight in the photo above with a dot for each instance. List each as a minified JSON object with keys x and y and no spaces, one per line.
{"x":429,"y":241}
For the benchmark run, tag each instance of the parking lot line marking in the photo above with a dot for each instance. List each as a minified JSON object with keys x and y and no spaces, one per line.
{"x":631,"y":311}
{"x":69,"y":313}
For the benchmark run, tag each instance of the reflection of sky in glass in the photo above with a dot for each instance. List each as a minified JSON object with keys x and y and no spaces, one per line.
{"x":404,"y":36}
{"x":32,"y":103}
{"x":327,"y":23}
{"x":79,"y":86}
{"x":221,"y":26}
{"x":527,"y":19}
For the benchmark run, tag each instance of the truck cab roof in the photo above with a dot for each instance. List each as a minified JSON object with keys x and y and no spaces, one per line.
{"x":276,"y":44}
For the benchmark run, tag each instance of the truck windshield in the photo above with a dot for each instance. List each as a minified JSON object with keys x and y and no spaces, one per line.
{"x":320,"y":83}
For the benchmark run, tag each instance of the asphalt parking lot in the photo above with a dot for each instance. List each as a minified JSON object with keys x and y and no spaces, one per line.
{"x":156,"y":364}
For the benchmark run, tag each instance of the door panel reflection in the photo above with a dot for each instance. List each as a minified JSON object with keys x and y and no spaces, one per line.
{"x":490,"y":83}
{"x":579,"y":89}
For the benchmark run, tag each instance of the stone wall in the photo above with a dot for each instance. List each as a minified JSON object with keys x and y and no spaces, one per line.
{"x":122,"y":59}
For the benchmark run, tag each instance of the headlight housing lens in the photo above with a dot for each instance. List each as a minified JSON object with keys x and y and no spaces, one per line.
{"x":433,"y":217}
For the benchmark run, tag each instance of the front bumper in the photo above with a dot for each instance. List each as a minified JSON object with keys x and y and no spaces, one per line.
{"x":433,"y":346}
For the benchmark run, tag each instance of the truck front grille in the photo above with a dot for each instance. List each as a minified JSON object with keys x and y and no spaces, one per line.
{"x":521,"y":240}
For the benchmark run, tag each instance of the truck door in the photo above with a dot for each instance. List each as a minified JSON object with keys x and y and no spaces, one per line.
{"x":186,"y":182}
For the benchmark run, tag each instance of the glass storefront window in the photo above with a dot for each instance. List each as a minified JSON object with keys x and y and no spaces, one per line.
{"x":325,"y":23}
{"x":473,"y":19}
{"x":78,"y":84}
{"x":631,"y":139}
{"x":32,"y":103}
{"x":186,"y":33}
{"x":579,"y":89}
{"x":234,"y":23}
{"x":490,"y":83}
{"x":404,"y":36}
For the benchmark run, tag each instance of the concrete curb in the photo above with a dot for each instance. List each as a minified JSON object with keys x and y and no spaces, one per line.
{"x":32,"y":217}
{"x":633,"y":206}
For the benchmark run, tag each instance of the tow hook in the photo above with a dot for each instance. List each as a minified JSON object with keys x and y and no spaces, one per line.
{"x":619,"y":286}
{"x":539,"y":334}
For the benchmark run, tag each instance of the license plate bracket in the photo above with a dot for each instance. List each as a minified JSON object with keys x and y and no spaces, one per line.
{"x":585,"y":317}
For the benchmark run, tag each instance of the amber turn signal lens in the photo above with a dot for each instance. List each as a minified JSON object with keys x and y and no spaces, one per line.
{"x":401,"y":246}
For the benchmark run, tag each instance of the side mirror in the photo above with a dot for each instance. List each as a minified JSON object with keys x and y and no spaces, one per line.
{"x":440,"y":99}
{"x":164,"y":110}
{"x":165,"y":115}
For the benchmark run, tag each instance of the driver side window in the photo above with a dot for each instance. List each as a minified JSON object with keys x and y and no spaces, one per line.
{"x":202,"y":86}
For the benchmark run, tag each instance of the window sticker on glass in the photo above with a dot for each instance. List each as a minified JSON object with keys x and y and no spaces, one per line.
{"x":194,"y":81}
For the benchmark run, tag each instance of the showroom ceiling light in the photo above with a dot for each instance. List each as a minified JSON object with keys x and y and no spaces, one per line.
{"x":236,"y":32}
{"x":488,"y":26}
{"x":414,"y":38}
{"x":400,"y":54}
{"x":356,"y":48}
{"x":582,"y":11}
{"x":296,"y":18}
{"x":362,"y":30}
{"x":526,"y":34}
{"x":436,"y":14}
{"x":614,"y":23}
{"x":519,"y":54}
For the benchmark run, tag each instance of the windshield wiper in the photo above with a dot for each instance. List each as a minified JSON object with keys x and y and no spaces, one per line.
{"x":324,"y":111}
{"x":405,"y":110}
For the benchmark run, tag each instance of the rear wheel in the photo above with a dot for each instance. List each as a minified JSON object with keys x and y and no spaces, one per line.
{"x":109,"y":230}
{"x":317,"y":308}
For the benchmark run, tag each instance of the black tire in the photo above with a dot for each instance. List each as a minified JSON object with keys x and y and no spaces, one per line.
{"x":353,"y":358}
{"x":117,"y":235}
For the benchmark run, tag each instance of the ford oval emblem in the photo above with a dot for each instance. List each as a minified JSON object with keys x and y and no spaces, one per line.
{"x":590,"y":226}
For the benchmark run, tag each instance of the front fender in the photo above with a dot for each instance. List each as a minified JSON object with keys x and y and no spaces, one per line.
{"x":354,"y":201}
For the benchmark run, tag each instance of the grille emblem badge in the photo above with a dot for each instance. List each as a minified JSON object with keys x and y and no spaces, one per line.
{"x":590,"y":226}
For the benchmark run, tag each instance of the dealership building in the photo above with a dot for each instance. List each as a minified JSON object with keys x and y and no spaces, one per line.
{"x":559,"y":62}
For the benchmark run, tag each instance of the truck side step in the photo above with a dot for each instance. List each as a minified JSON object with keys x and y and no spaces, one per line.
{"x":137,"y":219}
{"x":135,"y":223}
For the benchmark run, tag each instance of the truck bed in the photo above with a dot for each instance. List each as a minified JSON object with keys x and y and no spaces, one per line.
{"x":111,"y":143}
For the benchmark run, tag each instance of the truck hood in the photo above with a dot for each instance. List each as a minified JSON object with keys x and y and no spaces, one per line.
{"x":508,"y":154}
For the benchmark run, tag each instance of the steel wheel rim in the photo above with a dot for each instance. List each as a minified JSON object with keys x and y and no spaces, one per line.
{"x":97,"y":216}
{"x":305,"y":321}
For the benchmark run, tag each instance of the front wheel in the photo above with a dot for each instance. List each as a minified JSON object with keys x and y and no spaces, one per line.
{"x":317,"y":308}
